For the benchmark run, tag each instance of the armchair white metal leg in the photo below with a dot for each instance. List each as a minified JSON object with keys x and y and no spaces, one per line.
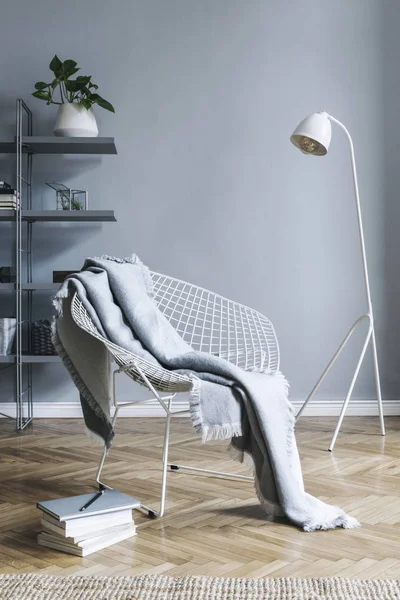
{"x":166,"y":403}
{"x":176,"y":467}
{"x":151,"y":511}
{"x":101,"y":484}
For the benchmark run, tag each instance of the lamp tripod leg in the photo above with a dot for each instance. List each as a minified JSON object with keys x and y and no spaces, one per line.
{"x":350,"y":390}
{"x":378,"y":383}
{"x":330,"y":365}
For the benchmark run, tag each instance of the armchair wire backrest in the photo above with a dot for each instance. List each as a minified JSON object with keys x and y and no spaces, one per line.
{"x":207,"y":322}
{"x":214,"y":324}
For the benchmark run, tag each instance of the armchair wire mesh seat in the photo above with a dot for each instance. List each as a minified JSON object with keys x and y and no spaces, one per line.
{"x":208,"y":323}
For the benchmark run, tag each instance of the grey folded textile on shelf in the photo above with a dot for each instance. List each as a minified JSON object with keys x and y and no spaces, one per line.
{"x":250,"y":408}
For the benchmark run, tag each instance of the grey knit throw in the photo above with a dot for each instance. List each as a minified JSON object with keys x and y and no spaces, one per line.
{"x":252,"y":408}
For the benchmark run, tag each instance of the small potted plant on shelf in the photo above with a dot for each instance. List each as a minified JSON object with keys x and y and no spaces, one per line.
{"x":75,"y":116}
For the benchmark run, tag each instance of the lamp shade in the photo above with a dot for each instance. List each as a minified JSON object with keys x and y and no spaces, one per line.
{"x":313,"y":135}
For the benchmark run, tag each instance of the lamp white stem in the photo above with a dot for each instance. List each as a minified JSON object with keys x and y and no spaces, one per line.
{"x":359,"y":215}
{"x":371,"y":329}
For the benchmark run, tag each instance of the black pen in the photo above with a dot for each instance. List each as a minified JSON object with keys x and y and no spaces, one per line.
{"x":96,"y":497}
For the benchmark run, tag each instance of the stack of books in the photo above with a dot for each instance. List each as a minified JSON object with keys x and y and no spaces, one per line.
{"x":8,"y":198}
{"x":84,"y":524}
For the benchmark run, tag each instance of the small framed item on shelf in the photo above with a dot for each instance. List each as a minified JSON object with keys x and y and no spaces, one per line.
{"x":69,"y":199}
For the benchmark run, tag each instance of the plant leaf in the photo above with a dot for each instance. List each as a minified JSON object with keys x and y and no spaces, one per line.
{"x":68,"y":67}
{"x":74,"y":86}
{"x":55,"y":83}
{"x":72,"y":72}
{"x":94,"y":86}
{"x":83,"y":78}
{"x":86,"y":103}
{"x":42,"y":95}
{"x":104,"y":104}
{"x":69,"y":63}
{"x":55,"y":64}
{"x":41,"y":85}
{"x":76,"y":205}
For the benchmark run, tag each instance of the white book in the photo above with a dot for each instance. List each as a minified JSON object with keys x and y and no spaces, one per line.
{"x":85,"y":505}
{"x":85,"y":548}
{"x":93,"y":541}
{"x":8,"y":202}
{"x":82,"y":536}
{"x":8,"y":197}
{"x":75,"y":527}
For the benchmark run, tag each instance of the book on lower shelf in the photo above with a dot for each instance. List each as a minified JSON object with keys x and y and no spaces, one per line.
{"x":107,"y":520}
{"x":8,"y":200}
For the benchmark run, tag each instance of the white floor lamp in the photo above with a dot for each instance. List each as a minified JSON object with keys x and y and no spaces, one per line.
{"x":313,"y":136}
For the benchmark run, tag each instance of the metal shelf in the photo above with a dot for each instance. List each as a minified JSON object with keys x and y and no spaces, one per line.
{"x":61,"y":145}
{"x":61,"y":216}
{"x":24,"y":147}
{"x":30,"y":286}
{"x":33,"y":358}
{"x":9,"y":358}
{"x":30,"y":358}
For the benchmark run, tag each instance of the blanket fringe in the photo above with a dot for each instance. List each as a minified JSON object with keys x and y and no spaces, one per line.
{"x":342,"y":520}
{"x":97,"y":439}
{"x":221,"y":432}
{"x":195,"y":405}
{"x":208,"y":432}
{"x":58,"y":301}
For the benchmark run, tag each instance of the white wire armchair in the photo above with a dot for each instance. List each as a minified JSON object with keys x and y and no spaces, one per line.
{"x":208,"y":323}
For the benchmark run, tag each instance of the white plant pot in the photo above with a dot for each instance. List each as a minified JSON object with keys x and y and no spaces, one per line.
{"x":74,"y":120}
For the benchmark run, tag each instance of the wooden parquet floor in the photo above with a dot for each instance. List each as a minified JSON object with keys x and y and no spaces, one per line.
{"x":213,"y":526}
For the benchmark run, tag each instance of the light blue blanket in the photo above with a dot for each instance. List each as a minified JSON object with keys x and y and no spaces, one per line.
{"x":252,"y":408}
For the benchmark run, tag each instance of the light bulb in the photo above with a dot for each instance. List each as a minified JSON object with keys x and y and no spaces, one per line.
{"x":308,"y":145}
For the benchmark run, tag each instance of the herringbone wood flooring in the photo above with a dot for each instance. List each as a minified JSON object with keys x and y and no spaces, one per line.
{"x":213,"y":526}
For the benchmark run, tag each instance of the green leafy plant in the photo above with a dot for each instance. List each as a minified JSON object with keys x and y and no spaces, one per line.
{"x":67,"y":205}
{"x":80,"y":90}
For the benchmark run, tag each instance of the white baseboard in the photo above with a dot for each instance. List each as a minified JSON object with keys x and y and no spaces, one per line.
{"x":316,"y":408}
{"x":356,"y":408}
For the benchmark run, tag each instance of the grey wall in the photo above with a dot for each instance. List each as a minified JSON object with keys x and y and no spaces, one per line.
{"x":206,"y":185}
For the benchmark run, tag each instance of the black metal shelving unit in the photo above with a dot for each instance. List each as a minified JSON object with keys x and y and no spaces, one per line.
{"x":24,"y":147}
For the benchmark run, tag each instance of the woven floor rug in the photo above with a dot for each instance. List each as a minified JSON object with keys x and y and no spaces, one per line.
{"x":154,"y":587}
